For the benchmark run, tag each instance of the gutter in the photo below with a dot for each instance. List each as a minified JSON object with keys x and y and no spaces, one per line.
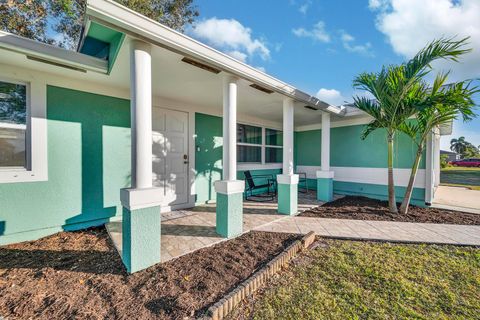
{"x":116,"y":16}
{"x":49,"y":54}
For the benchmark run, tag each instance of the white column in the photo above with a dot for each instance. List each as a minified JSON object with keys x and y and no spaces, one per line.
{"x":230,"y":128}
{"x":141,"y":114}
{"x":325,"y":158}
{"x":287,"y":136}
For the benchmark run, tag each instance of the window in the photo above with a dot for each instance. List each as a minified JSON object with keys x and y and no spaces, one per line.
{"x":273,"y":146}
{"x":13,"y":125}
{"x":249,"y":144}
{"x":257,"y":145}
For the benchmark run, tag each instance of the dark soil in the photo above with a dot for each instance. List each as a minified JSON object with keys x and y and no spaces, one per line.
{"x":80,"y":275}
{"x":362,"y":208}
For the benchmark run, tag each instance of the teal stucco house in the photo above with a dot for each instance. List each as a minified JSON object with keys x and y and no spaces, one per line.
{"x":143,"y":119}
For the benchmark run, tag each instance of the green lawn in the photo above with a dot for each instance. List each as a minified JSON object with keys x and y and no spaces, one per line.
{"x":459,"y":176}
{"x":365,"y":280}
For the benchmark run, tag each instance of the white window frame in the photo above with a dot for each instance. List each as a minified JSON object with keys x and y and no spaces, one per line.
{"x":36,"y":168}
{"x":263,"y":164}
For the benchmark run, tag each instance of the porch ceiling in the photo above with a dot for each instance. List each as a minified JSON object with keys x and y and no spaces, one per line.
{"x":175,"y":82}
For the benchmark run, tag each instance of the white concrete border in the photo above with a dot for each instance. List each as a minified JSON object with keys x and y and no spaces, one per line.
{"x":229,"y":186}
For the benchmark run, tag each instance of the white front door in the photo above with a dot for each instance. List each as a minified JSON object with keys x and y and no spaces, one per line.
{"x":170,"y":154}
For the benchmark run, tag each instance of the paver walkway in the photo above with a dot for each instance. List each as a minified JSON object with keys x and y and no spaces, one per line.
{"x":378,"y":230}
{"x":184,"y":231}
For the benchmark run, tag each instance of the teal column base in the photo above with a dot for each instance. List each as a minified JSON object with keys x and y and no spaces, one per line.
{"x":141,"y":234}
{"x":229,"y":218}
{"x":325,"y":189}
{"x":287,"y":199}
{"x":287,"y":194}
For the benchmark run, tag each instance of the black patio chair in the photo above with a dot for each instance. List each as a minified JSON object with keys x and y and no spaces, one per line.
{"x":252,"y":185}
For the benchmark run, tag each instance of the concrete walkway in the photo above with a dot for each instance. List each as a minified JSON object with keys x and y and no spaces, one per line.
{"x":378,"y":230}
{"x":457,"y":199}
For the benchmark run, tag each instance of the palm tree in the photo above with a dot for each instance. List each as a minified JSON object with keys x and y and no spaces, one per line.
{"x":440,"y":105}
{"x":394,"y":88}
{"x":459,"y":145}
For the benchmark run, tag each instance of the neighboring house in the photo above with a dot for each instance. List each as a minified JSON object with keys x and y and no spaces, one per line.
{"x":91,"y":117}
{"x":451,"y":156}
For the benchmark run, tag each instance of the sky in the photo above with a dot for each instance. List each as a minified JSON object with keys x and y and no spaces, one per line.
{"x":319,"y":46}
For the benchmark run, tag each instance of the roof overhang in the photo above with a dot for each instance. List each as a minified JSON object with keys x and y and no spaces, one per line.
{"x":129,"y":22}
{"x":446,"y":128}
{"x":46,"y":53}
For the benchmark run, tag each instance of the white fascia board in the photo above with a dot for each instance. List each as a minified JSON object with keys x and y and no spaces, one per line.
{"x":112,"y":14}
{"x":59,"y":56}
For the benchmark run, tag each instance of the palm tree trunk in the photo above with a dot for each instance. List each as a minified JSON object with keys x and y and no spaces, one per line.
{"x":392,"y":203}
{"x":411,"y":182}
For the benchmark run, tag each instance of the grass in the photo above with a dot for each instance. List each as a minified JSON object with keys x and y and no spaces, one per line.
{"x":461,"y":177}
{"x":461,"y":169}
{"x":461,"y":185}
{"x":365,"y":280}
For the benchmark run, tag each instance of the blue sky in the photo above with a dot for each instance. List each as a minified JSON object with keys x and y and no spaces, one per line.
{"x":320,"y":45}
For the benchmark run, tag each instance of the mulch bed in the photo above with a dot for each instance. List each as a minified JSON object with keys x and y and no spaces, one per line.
{"x":362,"y":208}
{"x":80,"y":275}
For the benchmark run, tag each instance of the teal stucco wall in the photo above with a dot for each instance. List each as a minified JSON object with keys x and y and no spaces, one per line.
{"x":88,"y":164}
{"x":347,"y":149}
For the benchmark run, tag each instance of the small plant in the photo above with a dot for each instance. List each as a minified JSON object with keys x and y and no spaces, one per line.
{"x":444,"y":161}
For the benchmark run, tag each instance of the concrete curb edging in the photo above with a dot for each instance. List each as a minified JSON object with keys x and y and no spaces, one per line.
{"x":248,"y":287}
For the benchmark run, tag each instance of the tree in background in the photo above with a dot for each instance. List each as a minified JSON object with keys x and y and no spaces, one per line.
{"x":464,"y":148}
{"x":458,"y":145}
{"x":396,"y":89}
{"x":60,"y":22}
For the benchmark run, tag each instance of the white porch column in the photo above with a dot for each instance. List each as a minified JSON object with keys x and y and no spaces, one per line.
{"x":288,"y":136}
{"x":230,"y":128}
{"x":288,"y":181}
{"x":229,"y":217}
{"x":141,"y":114}
{"x":141,"y":222}
{"x":325,"y":142}
{"x":325,"y":176}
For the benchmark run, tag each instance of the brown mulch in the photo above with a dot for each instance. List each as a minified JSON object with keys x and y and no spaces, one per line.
{"x":80,"y":275}
{"x":362,"y":208}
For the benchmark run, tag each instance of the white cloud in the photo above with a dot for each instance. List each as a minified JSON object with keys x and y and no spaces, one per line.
{"x":461,"y":129}
{"x":304,"y":7}
{"x":317,"y":33}
{"x":230,"y":36}
{"x":348,"y":42}
{"x":410,"y":24}
{"x":332,"y":96}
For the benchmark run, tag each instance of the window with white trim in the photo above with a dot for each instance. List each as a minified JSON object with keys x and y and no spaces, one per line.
{"x":258,"y":145}
{"x":13,"y":125}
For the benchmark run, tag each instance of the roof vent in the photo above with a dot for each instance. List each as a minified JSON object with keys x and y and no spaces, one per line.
{"x":256,"y":86}
{"x":201,"y":65}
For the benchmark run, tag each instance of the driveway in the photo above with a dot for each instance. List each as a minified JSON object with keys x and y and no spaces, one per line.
{"x":457,"y":198}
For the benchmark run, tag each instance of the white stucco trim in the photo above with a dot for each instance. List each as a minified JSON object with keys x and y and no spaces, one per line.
{"x":258,"y":166}
{"x":287,"y":178}
{"x":36,"y":134}
{"x":134,"y":199}
{"x":367,"y":175}
{"x":229,"y":186}
{"x":324,"y":174}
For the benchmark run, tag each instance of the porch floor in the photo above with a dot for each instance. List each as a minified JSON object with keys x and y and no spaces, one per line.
{"x":184,"y":231}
